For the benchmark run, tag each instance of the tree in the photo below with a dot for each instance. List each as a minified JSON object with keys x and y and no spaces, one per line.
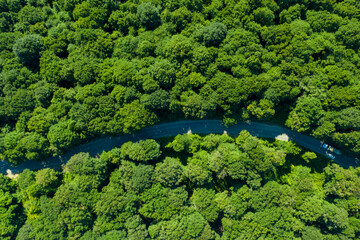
{"x":203,"y":200}
{"x":325,"y":130}
{"x":158,"y":100}
{"x":309,"y":233}
{"x":26,"y":179}
{"x":61,"y":136}
{"x":161,"y":203}
{"x":323,"y":20}
{"x":28,"y":49}
{"x":212,"y":35}
{"x":169,"y":172}
{"x":19,"y":101}
{"x":136,"y":228}
{"x":310,"y":209}
{"x":47,"y":178}
{"x":226,"y":160}
{"x":11,"y":216}
{"x":197,"y":106}
{"x":34,"y":146}
{"x":348,"y":118}
{"x":83,"y":164}
{"x":24,"y":232}
{"x":337,"y":75}
{"x":262,"y":110}
{"x":198,"y":175}
{"x":146,"y":150}
{"x":202,"y":57}
{"x":134,"y":116}
{"x":341,"y":183}
{"x":348,"y":140}
{"x":308,"y":156}
{"x":349,"y":34}
{"x":264,"y":16}
{"x":191,"y":226}
{"x":301,"y":179}
{"x":178,"y":19}
{"x":47,"y":224}
{"x":85,"y":70}
{"x":163,"y":72}
{"x":31,"y":15}
{"x":278,"y":91}
{"x":11,"y":211}
{"x":289,"y":15}
{"x":237,"y":204}
{"x":178,"y":48}
{"x":113,"y":208}
{"x":334,"y":218}
{"x":88,"y":16}
{"x":76,"y":220}
{"x":185,"y":143}
{"x":148,"y":15}
{"x":146,"y":49}
{"x":307,"y":112}
{"x":142,"y":178}
{"x":123,"y":21}
{"x":10,"y":146}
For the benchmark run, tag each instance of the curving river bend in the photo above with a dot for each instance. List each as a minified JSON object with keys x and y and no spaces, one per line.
{"x":174,"y":128}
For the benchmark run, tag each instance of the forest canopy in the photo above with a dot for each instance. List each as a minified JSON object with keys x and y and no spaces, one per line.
{"x":72,"y":70}
{"x":187,"y":187}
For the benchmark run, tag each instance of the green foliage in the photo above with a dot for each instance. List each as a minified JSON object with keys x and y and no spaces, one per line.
{"x":212,"y":35}
{"x":193,"y":226}
{"x":158,"y":60}
{"x":11,"y":210}
{"x":169,"y":172}
{"x":178,"y":48}
{"x":158,"y":100}
{"x":349,"y":34}
{"x":203,"y":200}
{"x":264,"y":16}
{"x":10,"y":213}
{"x":142,"y":178}
{"x":113,"y":208}
{"x":348,"y":118}
{"x":198,"y":106}
{"x":323,"y":20}
{"x":134,"y":116}
{"x":28,"y":49}
{"x":47,"y":178}
{"x":262,"y":110}
{"x":311,"y":233}
{"x":185,"y":142}
{"x":161,"y":203}
{"x":34,"y":146}
{"x":93,"y":169}
{"x":198,"y":175}
{"x":136,"y":228}
{"x":148,"y":15}
{"x":146,"y":150}
{"x":31,"y":15}
{"x":61,"y":136}
{"x":289,"y":15}
{"x":306,"y":113}
{"x":10,"y":148}
{"x":71,"y":70}
{"x":241,"y":186}
{"x":308,"y":156}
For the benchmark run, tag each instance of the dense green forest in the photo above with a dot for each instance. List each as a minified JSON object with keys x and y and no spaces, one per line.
{"x":187,"y":187}
{"x":72,"y":70}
